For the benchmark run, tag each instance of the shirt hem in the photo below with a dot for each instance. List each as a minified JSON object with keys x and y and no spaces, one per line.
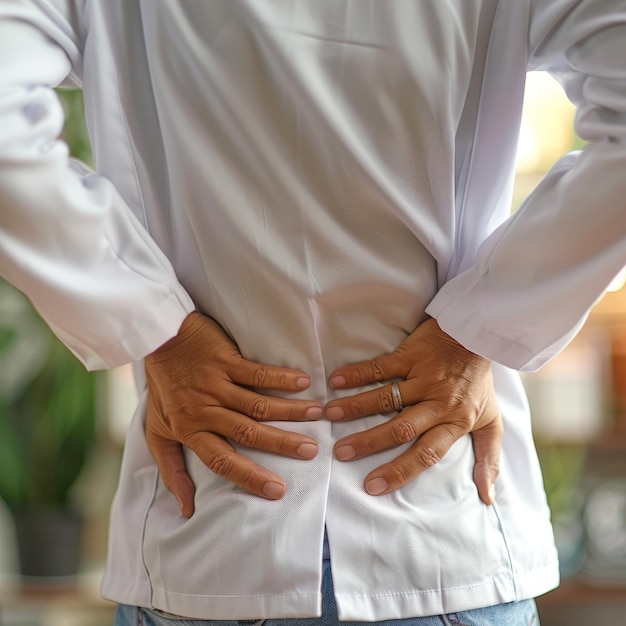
{"x":367,"y":608}
{"x":122,"y":591}
{"x":422,"y":603}
{"x":274,"y":606}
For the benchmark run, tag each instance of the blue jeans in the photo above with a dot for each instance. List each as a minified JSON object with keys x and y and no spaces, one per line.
{"x":522,"y":613}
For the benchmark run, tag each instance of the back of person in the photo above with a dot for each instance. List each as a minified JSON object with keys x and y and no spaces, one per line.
{"x":309,"y":205}
{"x":316,"y":175}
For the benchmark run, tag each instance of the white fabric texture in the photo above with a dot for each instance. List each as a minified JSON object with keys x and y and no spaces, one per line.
{"x":313,"y":175}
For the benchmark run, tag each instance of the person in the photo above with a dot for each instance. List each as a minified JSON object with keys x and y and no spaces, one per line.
{"x":299,"y":233}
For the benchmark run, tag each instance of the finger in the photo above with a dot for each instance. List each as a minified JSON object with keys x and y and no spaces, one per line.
{"x":375,"y":370}
{"x":264,"y":408}
{"x":427,"y":451}
{"x":222,"y":459}
{"x":404,"y":428}
{"x":170,"y":460}
{"x":487,"y":443}
{"x":260,"y":376}
{"x":251,"y":434}
{"x":369,"y":403}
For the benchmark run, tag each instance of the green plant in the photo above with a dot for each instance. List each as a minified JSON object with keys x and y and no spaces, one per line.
{"x":562,"y":466}
{"x":47,"y":409}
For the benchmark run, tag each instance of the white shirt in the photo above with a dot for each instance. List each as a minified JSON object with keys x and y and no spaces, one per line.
{"x":316,"y":176}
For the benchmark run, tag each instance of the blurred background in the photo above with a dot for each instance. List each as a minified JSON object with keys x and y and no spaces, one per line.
{"x":62,"y":433}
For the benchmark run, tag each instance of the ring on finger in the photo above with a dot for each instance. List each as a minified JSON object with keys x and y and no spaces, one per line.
{"x":398,"y":405}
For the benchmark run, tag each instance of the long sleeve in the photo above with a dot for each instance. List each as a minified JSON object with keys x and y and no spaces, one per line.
{"x":67,"y":238}
{"x":536,"y":277}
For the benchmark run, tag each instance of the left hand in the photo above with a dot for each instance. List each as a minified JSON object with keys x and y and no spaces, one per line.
{"x":447,"y":392}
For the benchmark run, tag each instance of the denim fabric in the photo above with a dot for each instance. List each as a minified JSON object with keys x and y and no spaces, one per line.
{"x":522,"y":613}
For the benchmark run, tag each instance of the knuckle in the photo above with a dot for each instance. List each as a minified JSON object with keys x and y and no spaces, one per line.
{"x":427,"y":456}
{"x":259,"y":409}
{"x":259,"y":377}
{"x":365,"y":444}
{"x":368,"y":446}
{"x":284,"y":445}
{"x":353,"y":406}
{"x":222,"y":464}
{"x":357,"y":376}
{"x":247,"y":435}
{"x":403,"y":431}
{"x":378,"y":371}
{"x":385,"y":401}
{"x":400,"y":473}
{"x":249,"y":480}
{"x":294,"y":412}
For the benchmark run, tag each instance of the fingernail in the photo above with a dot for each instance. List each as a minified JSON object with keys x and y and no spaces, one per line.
{"x":302,"y":383}
{"x":376,"y":486}
{"x":337,"y":381}
{"x":345,"y":452}
{"x":307,"y":450}
{"x":334,"y":413}
{"x":492,"y":494}
{"x":313,"y":413}
{"x":274,"y":491}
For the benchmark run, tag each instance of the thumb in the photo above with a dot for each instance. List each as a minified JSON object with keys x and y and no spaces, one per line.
{"x":487,"y":443}
{"x":170,"y":460}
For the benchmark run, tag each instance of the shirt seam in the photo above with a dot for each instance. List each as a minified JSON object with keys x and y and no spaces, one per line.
{"x":235,"y":597}
{"x":143,"y":533}
{"x":421,"y":592}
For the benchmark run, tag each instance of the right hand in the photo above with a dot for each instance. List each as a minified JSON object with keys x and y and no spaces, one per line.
{"x":199,"y":397}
